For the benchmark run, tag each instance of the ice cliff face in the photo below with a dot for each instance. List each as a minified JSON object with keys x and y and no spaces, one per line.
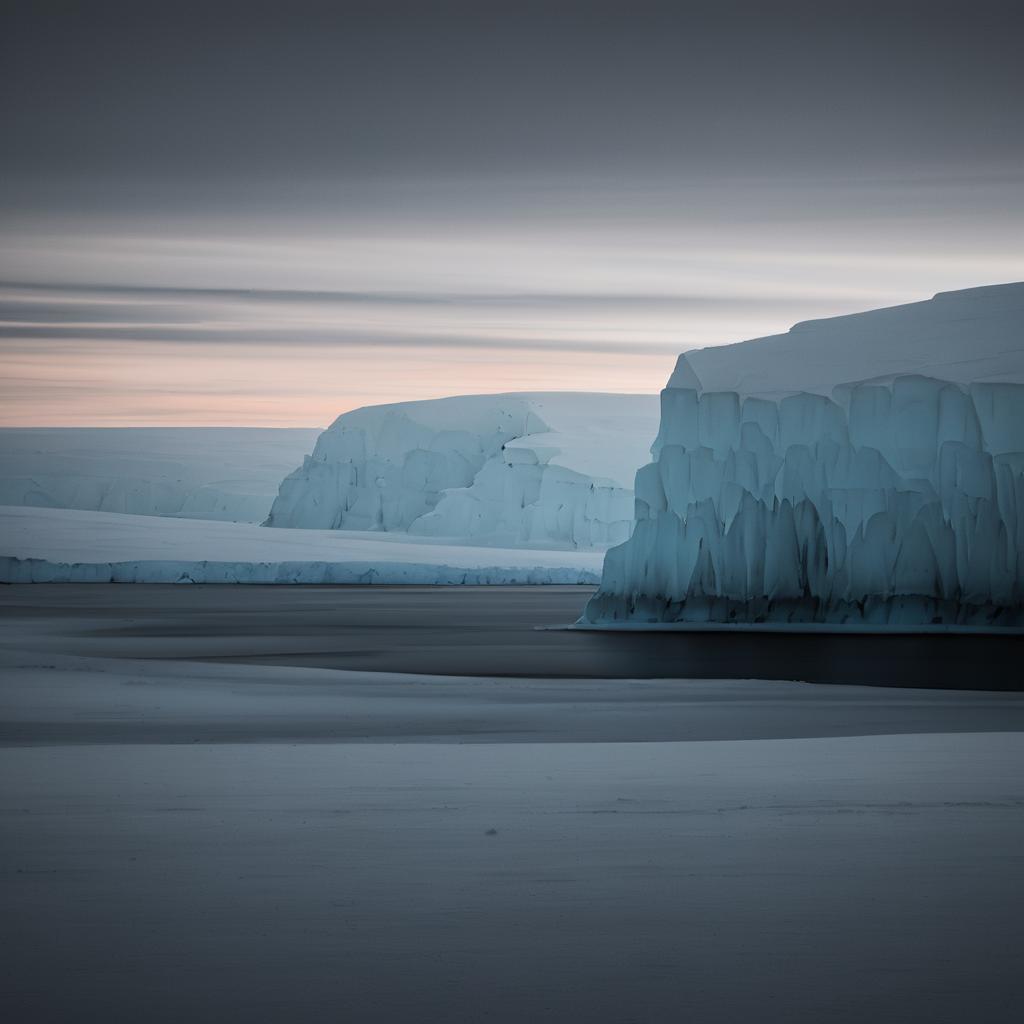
{"x":898,"y":500}
{"x":516,"y":469}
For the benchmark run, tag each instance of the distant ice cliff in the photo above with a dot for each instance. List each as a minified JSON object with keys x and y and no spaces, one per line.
{"x":533,"y":469}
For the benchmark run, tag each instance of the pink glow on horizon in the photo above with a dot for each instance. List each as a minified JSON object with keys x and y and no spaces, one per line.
{"x":251,"y":328}
{"x":125,"y":384}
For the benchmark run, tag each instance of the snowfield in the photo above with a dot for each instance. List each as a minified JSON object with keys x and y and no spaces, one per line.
{"x":62,"y":545}
{"x":484,"y":849}
{"x":963,"y":336}
{"x":226,"y":473}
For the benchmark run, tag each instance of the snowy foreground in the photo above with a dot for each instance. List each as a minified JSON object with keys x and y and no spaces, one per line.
{"x":519,"y":470}
{"x":788,"y":489}
{"x":180,"y":820}
{"x":841,"y":880}
{"x":190,"y":839}
{"x":226,"y":473}
{"x":61,"y":545}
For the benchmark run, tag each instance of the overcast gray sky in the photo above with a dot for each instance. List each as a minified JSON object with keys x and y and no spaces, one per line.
{"x":483,"y":196}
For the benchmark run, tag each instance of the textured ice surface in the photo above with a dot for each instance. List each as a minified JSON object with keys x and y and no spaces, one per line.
{"x":545,"y":470}
{"x":229,"y":473}
{"x":962,"y":336}
{"x":69,"y":546}
{"x":896,"y":501}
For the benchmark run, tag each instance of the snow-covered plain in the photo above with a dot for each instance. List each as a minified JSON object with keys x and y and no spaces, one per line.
{"x":63,"y":545}
{"x":490,"y":880}
{"x":895,"y":501}
{"x":503,"y":849}
{"x":225,"y":473}
{"x":532,"y":469}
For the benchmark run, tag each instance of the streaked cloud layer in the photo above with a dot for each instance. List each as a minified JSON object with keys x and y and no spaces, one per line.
{"x":246,"y":214}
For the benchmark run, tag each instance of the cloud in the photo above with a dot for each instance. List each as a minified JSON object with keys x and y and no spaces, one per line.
{"x":530,"y":321}
{"x":15,"y":295}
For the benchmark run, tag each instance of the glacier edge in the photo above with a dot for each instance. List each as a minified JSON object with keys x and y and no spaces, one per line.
{"x":887,"y":504}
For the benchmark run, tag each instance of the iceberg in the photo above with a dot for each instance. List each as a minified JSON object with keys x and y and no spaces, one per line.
{"x":783,"y":492}
{"x":515,"y":470}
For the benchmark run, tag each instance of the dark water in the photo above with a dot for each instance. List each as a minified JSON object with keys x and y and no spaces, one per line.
{"x":481,"y":631}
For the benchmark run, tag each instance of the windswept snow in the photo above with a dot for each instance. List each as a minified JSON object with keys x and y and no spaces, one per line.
{"x":964,"y":337}
{"x":542,"y":469}
{"x":226,"y":473}
{"x":61,"y":545}
{"x":898,"y":501}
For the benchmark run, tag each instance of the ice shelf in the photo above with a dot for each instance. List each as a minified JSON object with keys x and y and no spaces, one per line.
{"x":897,"y":500}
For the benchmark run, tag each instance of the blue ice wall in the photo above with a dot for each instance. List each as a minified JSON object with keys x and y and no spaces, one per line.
{"x":893,"y":503}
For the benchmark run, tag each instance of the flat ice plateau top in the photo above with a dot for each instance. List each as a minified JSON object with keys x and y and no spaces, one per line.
{"x":225,"y":473}
{"x":865,"y":470}
{"x":519,"y":470}
{"x":964,"y":336}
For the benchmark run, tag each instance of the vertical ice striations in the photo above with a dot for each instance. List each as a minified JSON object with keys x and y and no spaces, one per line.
{"x":896,"y":501}
{"x":532,"y":469}
{"x":384,"y":466}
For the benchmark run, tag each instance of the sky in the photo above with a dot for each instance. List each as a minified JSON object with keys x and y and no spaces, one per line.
{"x":268,"y":213}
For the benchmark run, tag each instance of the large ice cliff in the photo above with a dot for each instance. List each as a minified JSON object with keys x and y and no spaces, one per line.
{"x":516,"y":469}
{"x":863,"y":470}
